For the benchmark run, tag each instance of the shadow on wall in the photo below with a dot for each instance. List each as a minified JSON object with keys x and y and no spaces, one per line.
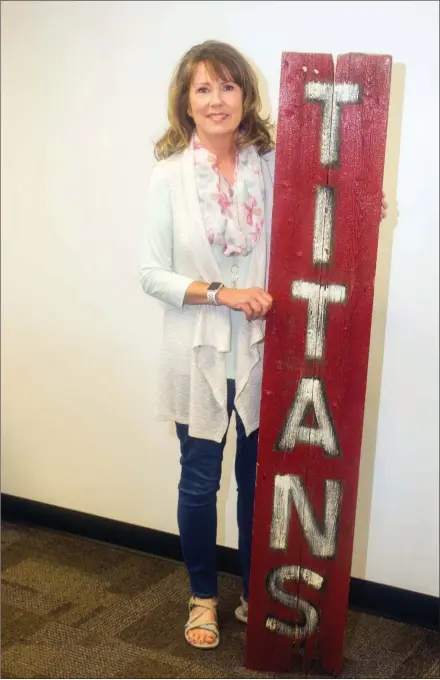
{"x":380,"y":306}
{"x":266,"y":108}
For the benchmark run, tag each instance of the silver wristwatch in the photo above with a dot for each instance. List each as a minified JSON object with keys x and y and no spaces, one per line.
{"x":212,"y":291}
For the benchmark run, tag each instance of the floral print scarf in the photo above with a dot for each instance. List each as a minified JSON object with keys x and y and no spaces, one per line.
{"x":233,"y":215}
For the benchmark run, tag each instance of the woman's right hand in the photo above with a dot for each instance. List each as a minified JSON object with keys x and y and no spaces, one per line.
{"x":253,"y":302}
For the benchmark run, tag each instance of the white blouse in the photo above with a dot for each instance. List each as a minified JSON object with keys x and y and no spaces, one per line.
{"x":226,"y":264}
{"x":237,"y":318}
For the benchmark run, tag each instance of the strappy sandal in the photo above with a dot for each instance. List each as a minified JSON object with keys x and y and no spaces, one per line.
{"x":211,"y":627}
{"x":241,"y":613}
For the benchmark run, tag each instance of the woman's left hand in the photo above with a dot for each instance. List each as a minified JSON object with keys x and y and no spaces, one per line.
{"x":384,"y":207}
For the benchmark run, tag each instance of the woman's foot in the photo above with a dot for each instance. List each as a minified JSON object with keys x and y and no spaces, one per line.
{"x":241,"y":613}
{"x":202,"y":627}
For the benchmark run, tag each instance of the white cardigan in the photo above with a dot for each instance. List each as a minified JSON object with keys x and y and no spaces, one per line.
{"x":192,"y":387}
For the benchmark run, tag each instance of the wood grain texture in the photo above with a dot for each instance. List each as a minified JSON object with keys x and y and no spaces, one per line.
{"x":320,"y":344}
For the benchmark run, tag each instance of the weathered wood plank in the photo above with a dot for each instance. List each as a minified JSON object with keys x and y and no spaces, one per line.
{"x":329,"y":172}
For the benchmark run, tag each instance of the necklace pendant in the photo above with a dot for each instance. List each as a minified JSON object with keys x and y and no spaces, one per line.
{"x":234,"y":276}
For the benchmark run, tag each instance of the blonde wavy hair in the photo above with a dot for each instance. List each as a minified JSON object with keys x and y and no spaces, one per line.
{"x":224,"y":62}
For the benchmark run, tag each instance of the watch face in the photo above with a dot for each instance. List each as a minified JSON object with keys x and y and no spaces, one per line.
{"x":214,"y":286}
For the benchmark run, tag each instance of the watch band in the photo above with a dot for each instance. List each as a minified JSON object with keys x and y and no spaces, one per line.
{"x":212,"y":291}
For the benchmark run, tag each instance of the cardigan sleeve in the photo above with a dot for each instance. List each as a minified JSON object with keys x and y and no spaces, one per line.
{"x":269,"y":157}
{"x":157,"y":276}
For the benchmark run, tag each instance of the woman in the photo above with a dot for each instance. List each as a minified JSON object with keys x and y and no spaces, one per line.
{"x":207,"y":243}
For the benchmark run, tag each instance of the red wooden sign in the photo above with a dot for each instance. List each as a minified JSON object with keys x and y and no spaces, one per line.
{"x":328,"y":185}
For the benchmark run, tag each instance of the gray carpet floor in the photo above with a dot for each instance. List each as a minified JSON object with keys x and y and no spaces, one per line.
{"x":75,"y":608}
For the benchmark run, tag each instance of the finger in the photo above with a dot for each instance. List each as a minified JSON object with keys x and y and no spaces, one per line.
{"x":265,"y":295}
{"x":256,"y":306}
{"x":267,"y":307}
{"x":256,"y":315}
{"x":256,"y":310}
{"x":247,"y":311}
{"x":265,"y":301}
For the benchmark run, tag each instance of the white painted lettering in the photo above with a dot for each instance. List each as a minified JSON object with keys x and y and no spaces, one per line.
{"x":319,"y":297}
{"x":321,"y":541}
{"x":331,"y":96}
{"x":324,"y":225}
{"x":275,"y":583}
{"x":310,"y":393}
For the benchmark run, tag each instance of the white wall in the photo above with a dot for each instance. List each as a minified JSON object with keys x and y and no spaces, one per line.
{"x":83,"y":97}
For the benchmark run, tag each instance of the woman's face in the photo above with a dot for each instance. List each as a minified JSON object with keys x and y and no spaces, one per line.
{"x":216,"y":106}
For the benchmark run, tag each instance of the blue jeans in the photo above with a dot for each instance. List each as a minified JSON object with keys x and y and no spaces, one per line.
{"x":201,"y":461}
